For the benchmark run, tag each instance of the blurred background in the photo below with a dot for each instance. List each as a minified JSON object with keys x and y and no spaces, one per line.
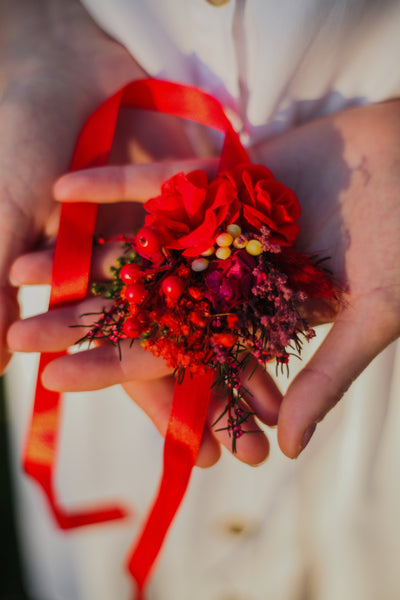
{"x":11,"y":587}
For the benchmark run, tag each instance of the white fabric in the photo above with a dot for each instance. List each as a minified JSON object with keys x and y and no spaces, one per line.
{"x":275,"y":63}
{"x":323,"y":527}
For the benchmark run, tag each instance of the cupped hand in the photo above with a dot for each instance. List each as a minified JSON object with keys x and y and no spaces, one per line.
{"x":345,"y":170}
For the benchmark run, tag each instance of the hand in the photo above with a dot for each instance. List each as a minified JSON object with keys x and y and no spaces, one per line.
{"x":144,"y":377}
{"x":57,"y":66}
{"x":345,"y":170}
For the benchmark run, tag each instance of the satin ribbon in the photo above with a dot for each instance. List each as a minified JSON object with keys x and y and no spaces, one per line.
{"x":69,"y":283}
{"x":181,"y":448}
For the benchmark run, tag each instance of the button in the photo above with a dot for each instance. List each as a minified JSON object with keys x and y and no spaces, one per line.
{"x":235,"y":528}
{"x":238,"y":527}
{"x":218,"y":2}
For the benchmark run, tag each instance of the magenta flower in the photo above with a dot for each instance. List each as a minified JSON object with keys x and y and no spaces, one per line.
{"x":228,"y":282}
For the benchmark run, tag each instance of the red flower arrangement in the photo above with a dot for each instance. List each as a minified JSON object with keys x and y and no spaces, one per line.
{"x":212,"y":279}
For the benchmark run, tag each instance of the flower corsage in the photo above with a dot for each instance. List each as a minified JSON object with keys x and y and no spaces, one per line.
{"x":213,"y":279}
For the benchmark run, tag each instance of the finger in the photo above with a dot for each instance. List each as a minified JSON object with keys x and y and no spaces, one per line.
{"x":355,"y":339}
{"x":155,"y":399}
{"x":129,"y":183}
{"x":56,"y":330}
{"x":251,"y":447}
{"x":35,"y":268}
{"x":102,"y":367}
{"x":262,"y":393}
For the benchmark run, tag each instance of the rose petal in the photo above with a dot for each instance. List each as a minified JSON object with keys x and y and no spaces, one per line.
{"x":199,"y":239}
{"x":255,"y":219}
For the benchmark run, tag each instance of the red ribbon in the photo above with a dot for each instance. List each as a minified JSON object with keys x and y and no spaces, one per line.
{"x":69,"y":283}
{"x":181,"y":448}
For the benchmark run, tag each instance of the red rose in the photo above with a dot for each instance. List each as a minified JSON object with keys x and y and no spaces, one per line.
{"x":265,"y":201}
{"x":189,"y":212}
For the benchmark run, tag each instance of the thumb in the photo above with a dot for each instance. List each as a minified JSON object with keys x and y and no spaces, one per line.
{"x":356,"y":337}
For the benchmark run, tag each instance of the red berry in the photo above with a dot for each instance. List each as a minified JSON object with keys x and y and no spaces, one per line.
{"x":131,"y":327}
{"x":173,"y":287}
{"x":135,"y":293}
{"x":147,"y":241}
{"x":225,"y":339}
{"x":130,"y":273}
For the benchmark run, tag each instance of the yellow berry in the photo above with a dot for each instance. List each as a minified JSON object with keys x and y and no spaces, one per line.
{"x":224,"y":240}
{"x":254,"y":247}
{"x":200,"y":264}
{"x":223,"y":253}
{"x":239,"y":243}
{"x":234,"y":230}
{"x":208,"y":252}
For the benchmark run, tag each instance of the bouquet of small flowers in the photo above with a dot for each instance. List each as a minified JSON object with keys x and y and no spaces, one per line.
{"x":212,"y":279}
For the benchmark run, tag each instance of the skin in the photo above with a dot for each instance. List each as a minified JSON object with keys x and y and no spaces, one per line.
{"x":345,"y":170}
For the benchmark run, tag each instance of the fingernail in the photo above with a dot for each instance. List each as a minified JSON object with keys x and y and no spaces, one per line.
{"x":306,"y":437}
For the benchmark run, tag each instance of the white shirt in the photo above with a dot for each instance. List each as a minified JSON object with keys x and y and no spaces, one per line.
{"x":275,"y":63}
